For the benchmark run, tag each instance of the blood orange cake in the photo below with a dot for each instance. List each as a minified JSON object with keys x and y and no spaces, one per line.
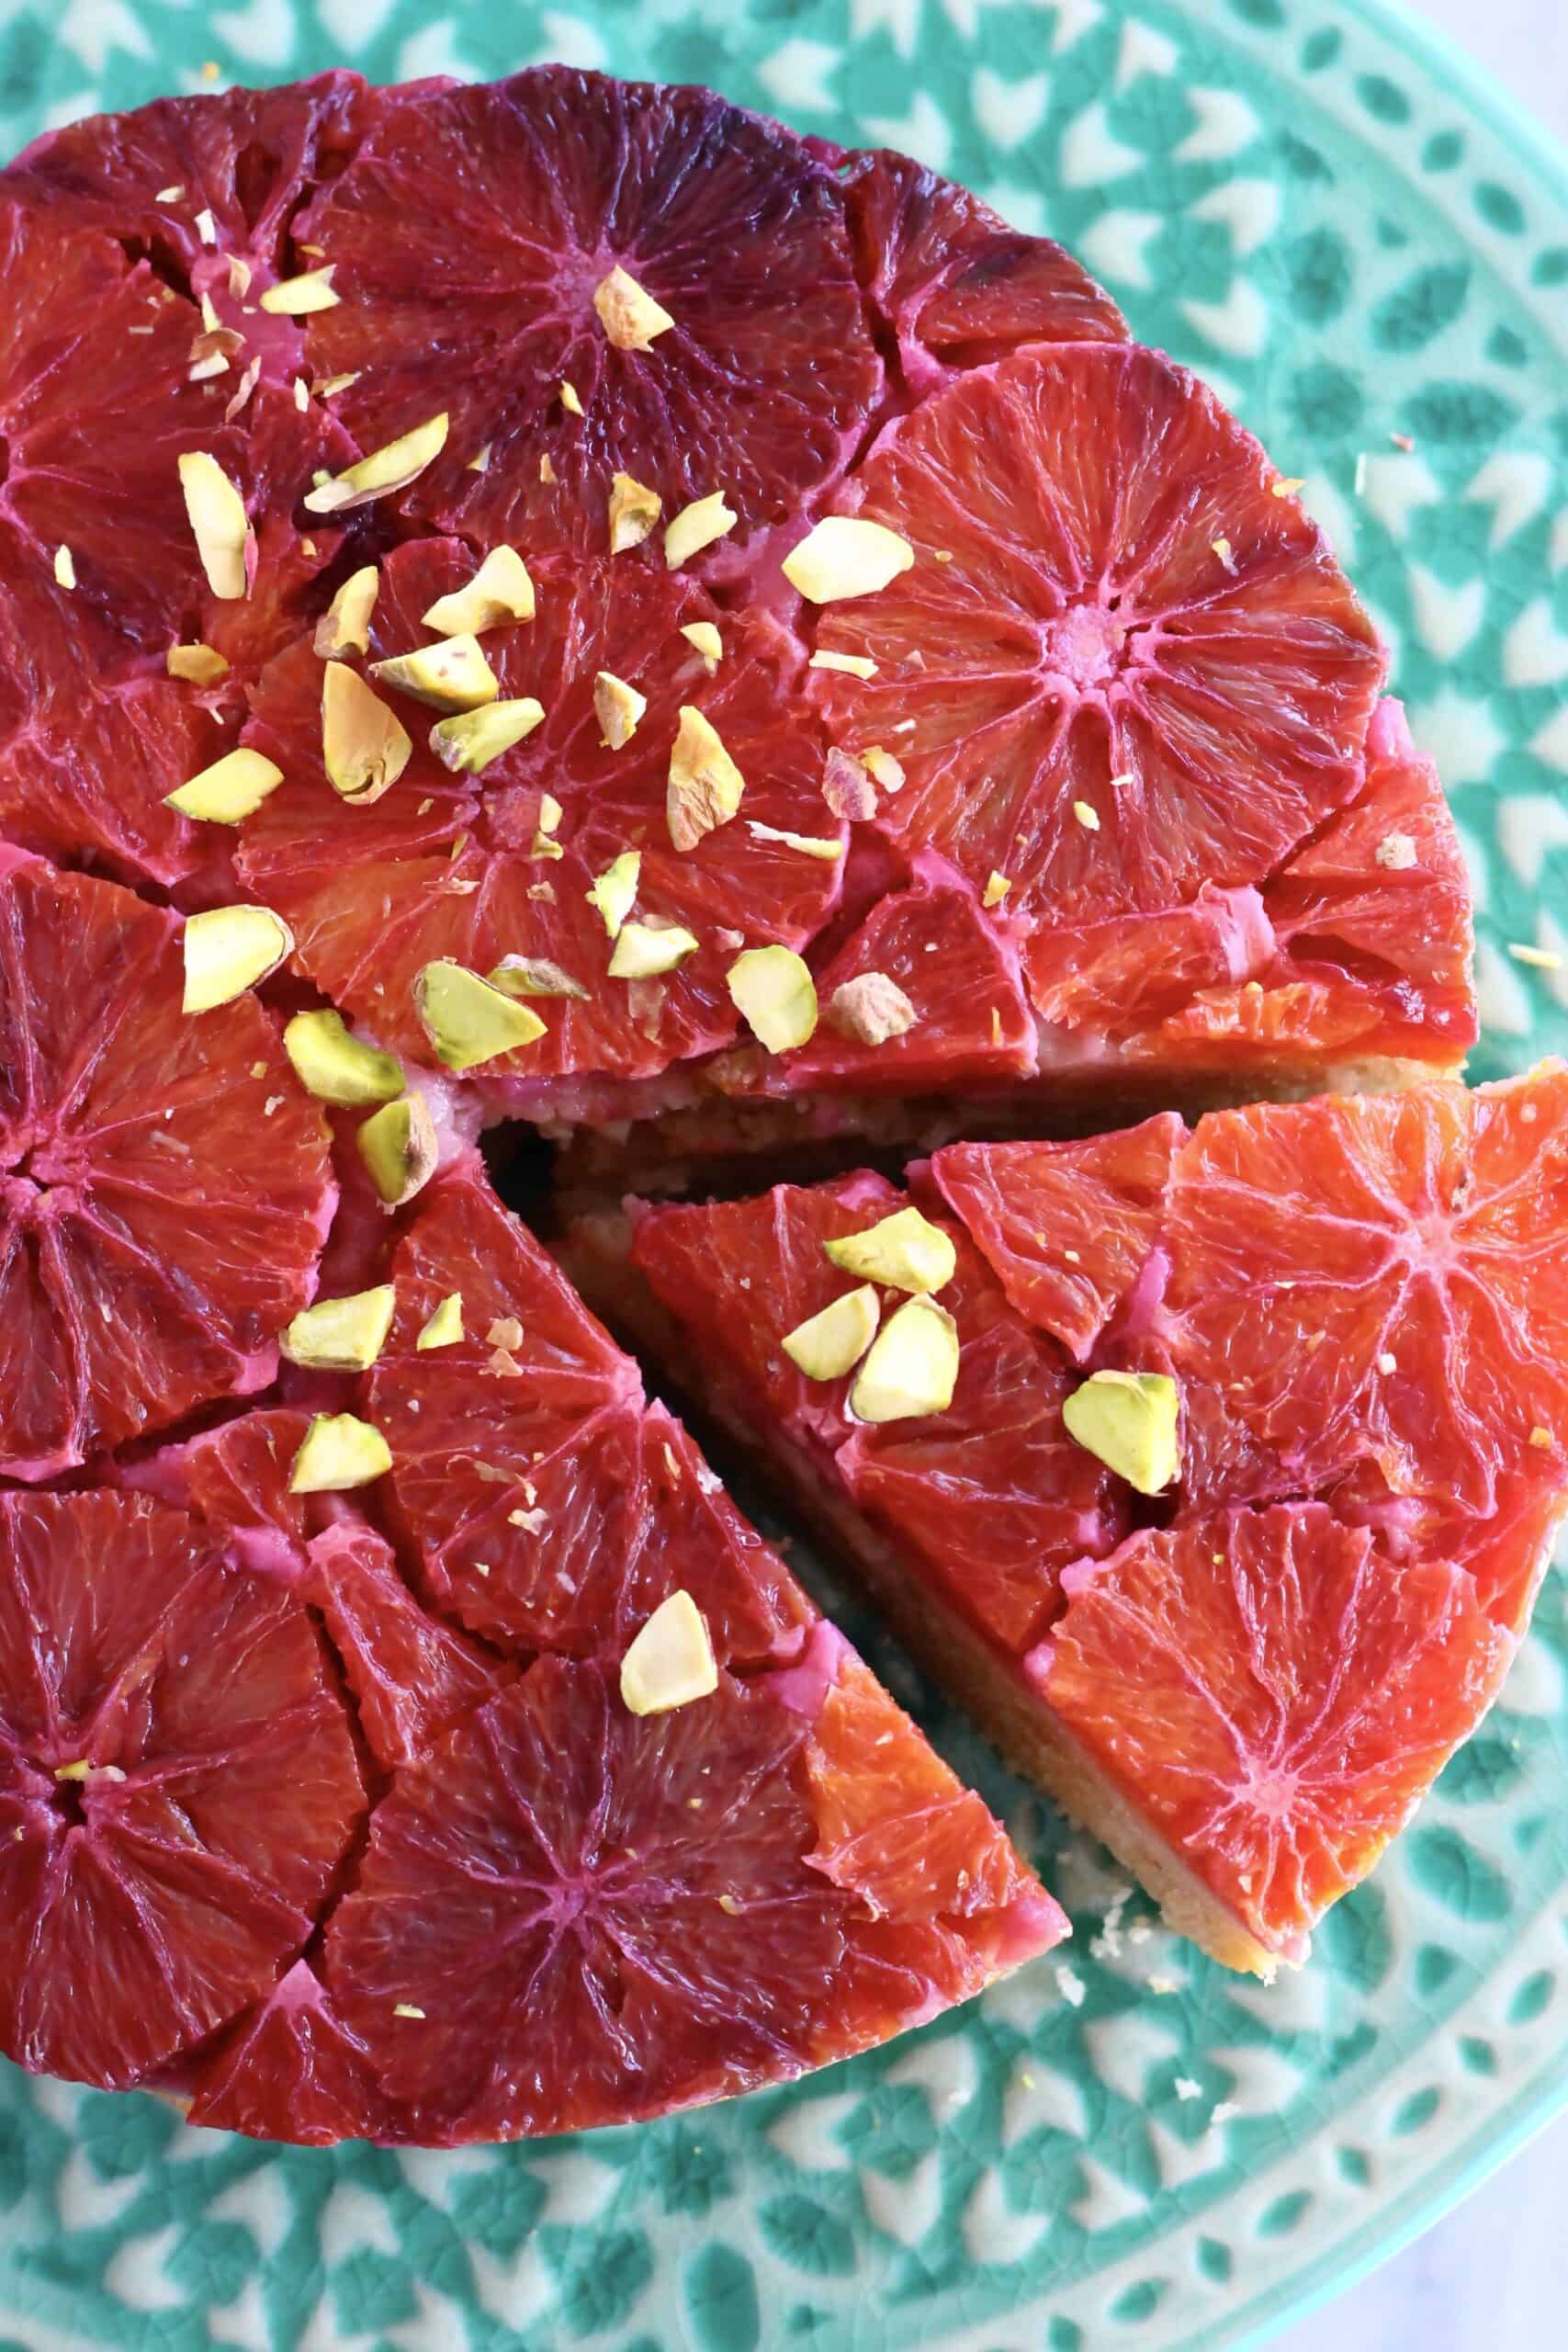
{"x":564,"y":603}
{"x":1214,"y":1468}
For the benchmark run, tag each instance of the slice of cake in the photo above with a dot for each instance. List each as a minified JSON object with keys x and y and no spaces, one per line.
{"x":1214,"y":1470}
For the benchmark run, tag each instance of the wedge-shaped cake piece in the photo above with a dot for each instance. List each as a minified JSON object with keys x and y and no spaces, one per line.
{"x":1257,"y":1441}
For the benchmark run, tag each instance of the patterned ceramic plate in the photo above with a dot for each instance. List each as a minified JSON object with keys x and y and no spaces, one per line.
{"x":1368,"y":255}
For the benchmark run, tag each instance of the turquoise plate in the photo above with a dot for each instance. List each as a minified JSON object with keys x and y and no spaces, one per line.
{"x":1367,"y":254}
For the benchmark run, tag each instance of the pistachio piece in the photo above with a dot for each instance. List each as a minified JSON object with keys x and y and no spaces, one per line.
{"x":224,"y":540}
{"x":567,"y":397}
{"x":365,"y":746}
{"x":451,"y":675}
{"x":618,"y":707}
{"x":233,"y":788}
{"x":827,"y":848}
{"x":615,"y":888}
{"x":853,"y":665}
{"x":338,"y":1451}
{"x":344,"y":627}
{"x":64,"y":567}
{"x":392,"y":468}
{"x":883,"y":768}
{"x":443,"y":1327}
{"x":627,"y":313}
{"x":342,"y":1334}
{"x":228,"y":950}
{"x":707,"y":641}
{"x":775,"y":994}
{"x":828,"y":1344}
{"x":1128,"y":1420}
{"x":500,"y":590}
{"x":644,"y":948}
{"x":297,"y":297}
{"x":338,"y":1068}
{"x":846,"y":556}
{"x":696,"y":526}
{"x":870,"y":1009}
{"x":912,"y":1367}
{"x":668,"y":1661}
{"x":705,"y":785}
{"x":399,"y":1146}
{"x":468,"y":743}
{"x":634,"y":511}
{"x":905,"y":1250}
{"x":201,"y":664}
{"x":996,"y":889}
{"x":465,"y":1020}
{"x":847,"y":788}
{"x":535,"y":976}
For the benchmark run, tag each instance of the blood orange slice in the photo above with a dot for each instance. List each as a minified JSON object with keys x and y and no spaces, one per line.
{"x":1410,"y":1251}
{"x":467,"y":288}
{"x":290,"y":2070}
{"x":445,"y":866}
{"x":177,"y":1784}
{"x":149,"y":1253}
{"x":1275,"y":1696}
{"x":1108,"y":612}
{"x":990,"y":1495}
{"x":552,"y":1506}
{"x":953,"y":283}
{"x":570,"y":1915}
{"x":235,"y":1479}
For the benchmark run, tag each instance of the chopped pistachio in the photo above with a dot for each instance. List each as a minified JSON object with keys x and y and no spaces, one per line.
{"x":443,"y":1327}
{"x":568,"y":399}
{"x":365,"y":746}
{"x":912,"y":1367}
{"x":614,"y":890}
{"x":846,"y":556}
{"x":547,"y":465}
{"x":336,"y":1067}
{"x":399,"y":1146}
{"x":825,"y":847}
{"x":205,"y":226}
{"x":828,"y":1344}
{"x":550,"y":814}
{"x":634,"y":511}
{"x":297,"y":297}
{"x":392,"y":468}
{"x":996,"y":889}
{"x":201,"y":664}
{"x":344,"y":627}
{"x":697,"y":527}
{"x":1286,"y":485}
{"x":775,"y":992}
{"x":1544,"y":959}
{"x":854,"y":665}
{"x":466,"y":1021}
{"x":1087,"y":815}
{"x":331,"y":386}
{"x":479,"y":462}
{"x":618,"y":707}
{"x":64,"y":567}
{"x":451,"y":675}
{"x":668,"y":1661}
{"x":706,"y":786}
{"x":847,"y":788}
{"x":210,"y":321}
{"x":883,"y":768}
{"x":1128,"y":1420}
{"x":243,"y":391}
{"x":338,"y":1451}
{"x":233,"y":788}
{"x":342,"y":1334}
{"x":1222,"y":547}
{"x":707,"y":642}
{"x":535,"y":976}
{"x":239,"y":273}
{"x":870,"y":1009}
{"x":643,"y":948}
{"x":170,"y":195}
{"x":228,"y":950}
{"x":223,"y":536}
{"x":468,"y":741}
{"x":906,"y":1252}
{"x":500,"y":590}
{"x":627,"y":313}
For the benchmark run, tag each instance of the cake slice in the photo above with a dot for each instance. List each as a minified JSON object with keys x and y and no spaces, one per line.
{"x":1213,"y":1470}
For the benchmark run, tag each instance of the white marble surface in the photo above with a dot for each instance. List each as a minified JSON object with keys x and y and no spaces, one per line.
{"x":1494,"y":2275}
